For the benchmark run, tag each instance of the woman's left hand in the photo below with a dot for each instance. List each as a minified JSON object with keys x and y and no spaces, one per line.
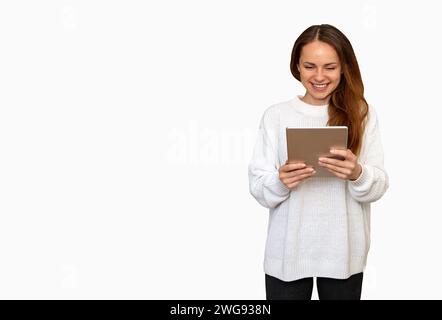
{"x":347,"y":169}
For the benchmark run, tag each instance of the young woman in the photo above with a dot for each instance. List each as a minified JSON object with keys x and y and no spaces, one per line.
{"x":319,"y":226}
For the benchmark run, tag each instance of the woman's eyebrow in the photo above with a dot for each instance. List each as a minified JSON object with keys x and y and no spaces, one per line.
{"x":327,"y":64}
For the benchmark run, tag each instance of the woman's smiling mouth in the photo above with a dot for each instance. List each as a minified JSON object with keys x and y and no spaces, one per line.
{"x":320,"y":87}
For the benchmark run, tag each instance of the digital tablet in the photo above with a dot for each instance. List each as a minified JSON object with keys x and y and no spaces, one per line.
{"x":307,"y":144}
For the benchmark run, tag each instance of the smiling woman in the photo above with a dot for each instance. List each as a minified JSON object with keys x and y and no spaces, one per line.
{"x":319,"y":227}
{"x":320,"y":71}
{"x":324,"y":61}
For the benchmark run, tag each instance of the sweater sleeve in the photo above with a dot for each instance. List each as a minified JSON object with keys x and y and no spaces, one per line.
{"x":373,"y":181}
{"x":264,"y":182}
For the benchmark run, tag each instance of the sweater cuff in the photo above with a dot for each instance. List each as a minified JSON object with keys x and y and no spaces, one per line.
{"x":363,"y":177}
{"x":277,"y":185}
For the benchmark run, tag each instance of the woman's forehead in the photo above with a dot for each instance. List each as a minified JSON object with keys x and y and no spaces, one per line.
{"x":320,"y":52}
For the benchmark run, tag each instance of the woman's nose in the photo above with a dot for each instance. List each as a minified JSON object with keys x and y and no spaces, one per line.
{"x":319,"y":75}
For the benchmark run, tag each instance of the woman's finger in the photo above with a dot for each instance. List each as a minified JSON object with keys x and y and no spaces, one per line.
{"x":343,"y":153}
{"x":343,"y":170}
{"x":298,"y":172}
{"x":338,"y":174}
{"x":338,"y":163}
{"x":298,"y":178}
{"x":293,"y":166}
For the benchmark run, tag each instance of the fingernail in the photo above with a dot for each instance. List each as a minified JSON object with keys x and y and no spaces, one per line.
{"x":332,"y":150}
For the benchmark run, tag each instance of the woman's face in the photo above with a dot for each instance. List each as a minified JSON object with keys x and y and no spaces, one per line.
{"x":320,"y":71}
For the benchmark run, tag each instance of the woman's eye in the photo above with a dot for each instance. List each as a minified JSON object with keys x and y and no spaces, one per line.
{"x":330,"y":68}
{"x":308,"y":67}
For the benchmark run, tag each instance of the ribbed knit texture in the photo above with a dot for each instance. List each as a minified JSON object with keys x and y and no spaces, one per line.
{"x":321,"y":228}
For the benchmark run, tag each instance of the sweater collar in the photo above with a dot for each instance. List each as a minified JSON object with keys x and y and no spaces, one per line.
{"x":309,"y":109}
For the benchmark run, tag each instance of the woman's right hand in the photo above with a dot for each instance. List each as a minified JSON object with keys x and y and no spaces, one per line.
{"x":292,"y":174}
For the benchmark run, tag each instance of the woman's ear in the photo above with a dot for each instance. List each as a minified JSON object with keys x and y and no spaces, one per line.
{"x":297,"y":67}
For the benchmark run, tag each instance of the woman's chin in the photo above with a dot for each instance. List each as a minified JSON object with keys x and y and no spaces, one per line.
{"x":319,"y":96}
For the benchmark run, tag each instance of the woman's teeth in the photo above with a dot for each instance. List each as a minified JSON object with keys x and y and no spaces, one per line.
{"x":320,"y":85}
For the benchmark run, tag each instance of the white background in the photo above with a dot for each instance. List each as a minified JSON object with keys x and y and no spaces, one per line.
{"x":126,"y":128}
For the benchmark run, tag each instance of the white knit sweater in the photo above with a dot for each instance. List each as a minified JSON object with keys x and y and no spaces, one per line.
{"x":321,"y":228}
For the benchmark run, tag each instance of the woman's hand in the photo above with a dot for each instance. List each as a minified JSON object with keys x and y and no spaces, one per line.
{"x":347,"y":169}
{"x":292,"y":174}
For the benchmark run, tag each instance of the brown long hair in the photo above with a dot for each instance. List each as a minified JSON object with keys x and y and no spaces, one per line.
{"x":347,"y":105}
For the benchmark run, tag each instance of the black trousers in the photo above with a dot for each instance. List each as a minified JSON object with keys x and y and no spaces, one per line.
{"x":328,"y":288}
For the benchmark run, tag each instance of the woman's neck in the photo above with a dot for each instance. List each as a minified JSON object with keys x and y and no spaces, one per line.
{"x":315,"y":102}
